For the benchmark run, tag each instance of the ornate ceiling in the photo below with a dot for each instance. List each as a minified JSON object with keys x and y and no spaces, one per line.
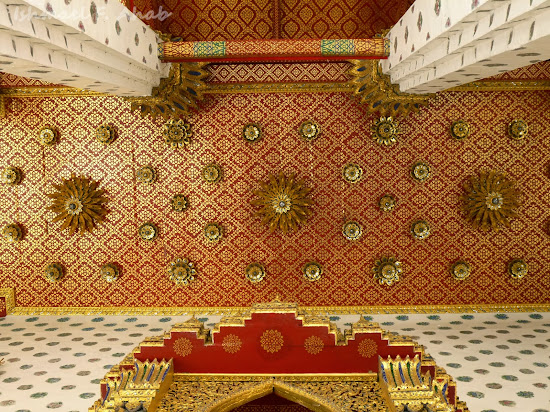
{"x":267,"y":19}
{"x":217,"y":138}
{"x":182,"y":230}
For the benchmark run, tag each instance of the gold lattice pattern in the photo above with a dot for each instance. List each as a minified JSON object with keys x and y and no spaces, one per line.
{"x":347,"y":138}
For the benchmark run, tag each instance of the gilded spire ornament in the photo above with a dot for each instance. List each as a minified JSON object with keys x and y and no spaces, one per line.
{"x":284,"y":202}
{"x":79,"y":204}
{"x":491,"y":200}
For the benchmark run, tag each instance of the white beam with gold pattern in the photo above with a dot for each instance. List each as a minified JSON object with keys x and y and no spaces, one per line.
{"x":89,"y":44}
{"x":439,"y":44}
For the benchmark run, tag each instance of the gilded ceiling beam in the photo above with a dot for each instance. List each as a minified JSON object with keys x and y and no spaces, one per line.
{"x":273,"y":50}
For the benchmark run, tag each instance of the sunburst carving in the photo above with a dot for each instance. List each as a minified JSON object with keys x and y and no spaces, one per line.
{"x":491,"y":200}
{"x":79,"y":204}
{"x":284,"y":202}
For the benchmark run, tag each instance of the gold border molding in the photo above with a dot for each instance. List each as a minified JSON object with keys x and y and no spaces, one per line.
{"x":502,"y":85}
{"x":235,"y":88}
{"x":310,"y":310}
{"x":46,"y":92}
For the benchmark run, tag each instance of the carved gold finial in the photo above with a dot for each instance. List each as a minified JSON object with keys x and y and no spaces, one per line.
{"x":460,"y":129}
{"x":385,"y":131}
{"x":10,"y":176}
{"x":255,"y":272}
{"x":146,"y":175}
{"x":47,"y":135}
{"x":148,"y":231}
{"x":54,"y":272}
{"x":309,"y":130}
{"x":518,"y":129}
{"x":12,"y":233}
{"x":105,"y":134}
{"x":182,"y":271}
{"x":177,"y":133}
{"x":109,"y":272}
{"x":212,"y":173}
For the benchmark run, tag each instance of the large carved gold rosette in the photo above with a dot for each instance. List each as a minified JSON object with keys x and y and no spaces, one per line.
{"x":491,"y":200}
{"x":79,"y":204}
{"x":284,"y":202}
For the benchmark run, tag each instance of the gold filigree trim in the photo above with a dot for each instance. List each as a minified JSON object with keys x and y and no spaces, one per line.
{"x":511,"y":85}
{"x":45,"y":92}
{"x":235,"y":88}
{"x":2,"y":106}
{"x":238,"y":310}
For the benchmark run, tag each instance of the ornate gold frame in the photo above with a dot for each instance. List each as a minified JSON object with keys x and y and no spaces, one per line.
{"x":13,"y":309}
{"x":329,"y":392}
{"x":299,"y":389}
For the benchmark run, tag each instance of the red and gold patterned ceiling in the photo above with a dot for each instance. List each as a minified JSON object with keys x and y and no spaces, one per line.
{"x":198,"y":20}
{"x":217,"y":137}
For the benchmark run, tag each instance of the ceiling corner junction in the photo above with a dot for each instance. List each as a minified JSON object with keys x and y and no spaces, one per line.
{"x":186,"y":85}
